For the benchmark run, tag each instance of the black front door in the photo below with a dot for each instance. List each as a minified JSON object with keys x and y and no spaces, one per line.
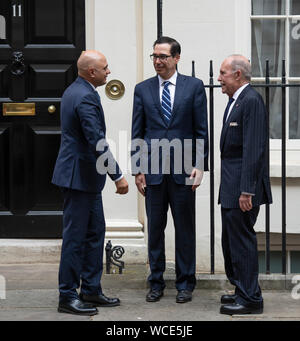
{"x":40,"y":42}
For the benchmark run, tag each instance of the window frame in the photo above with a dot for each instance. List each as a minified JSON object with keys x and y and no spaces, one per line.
{"x":292,"y":145}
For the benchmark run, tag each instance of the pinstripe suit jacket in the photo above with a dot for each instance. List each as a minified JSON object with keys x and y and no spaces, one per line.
{"x":243,"y":152}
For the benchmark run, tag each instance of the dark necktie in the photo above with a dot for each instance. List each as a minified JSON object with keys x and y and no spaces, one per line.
{"x":227,"y":109}
{"x":166,"y":101}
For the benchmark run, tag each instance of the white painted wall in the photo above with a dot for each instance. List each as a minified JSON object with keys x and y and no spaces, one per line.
{"x":115,"y":36}
{"x":124,"y":30}
{"x":207,"y":30}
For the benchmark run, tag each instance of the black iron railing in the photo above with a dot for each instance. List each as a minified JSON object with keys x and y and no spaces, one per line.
{"x":267,"y":86}
{"x":283,"y":85}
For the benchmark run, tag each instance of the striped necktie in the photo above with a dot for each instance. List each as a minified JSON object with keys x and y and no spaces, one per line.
{"x":166,"y":101}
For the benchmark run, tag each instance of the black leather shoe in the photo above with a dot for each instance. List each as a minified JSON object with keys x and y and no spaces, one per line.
{"x":183,"y":296}
{"x":100,"y":300}
{"x":154,"y":295}
{"x":239,"y":309}
{"x":76,"y":306}
{"x":227,"y":299}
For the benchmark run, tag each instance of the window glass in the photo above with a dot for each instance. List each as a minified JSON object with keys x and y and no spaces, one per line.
{"x":275,"y":261}
{"x":268,"y":42}
{"x":268,"y":7}
{"x":294,"y":123}
{"x":295,"y":48}
{"x":275,"y":102}
{"x":295,"y":262}
{"x":2,"y":27}
{"x":295,"y":7}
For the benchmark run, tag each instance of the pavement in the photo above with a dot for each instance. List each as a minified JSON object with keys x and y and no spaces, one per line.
{"x":28,"y":292}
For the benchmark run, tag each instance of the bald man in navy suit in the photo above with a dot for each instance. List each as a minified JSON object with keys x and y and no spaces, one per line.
{"x":245,"y":184}
{"x":82,"y":144}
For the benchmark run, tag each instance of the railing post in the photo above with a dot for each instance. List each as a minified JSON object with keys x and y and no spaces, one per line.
{"x":212,"y":167}
{"x":267,"y":87}
{"x":193,"y":69}
{"x":267,"y":220}
{"x":159,"y":18}
{"x":283,"y":168}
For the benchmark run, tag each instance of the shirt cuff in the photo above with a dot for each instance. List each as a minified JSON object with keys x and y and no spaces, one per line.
{"x":245,"y":193}
{"x":121,"y":177}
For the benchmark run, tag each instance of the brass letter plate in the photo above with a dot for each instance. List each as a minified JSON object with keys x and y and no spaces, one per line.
{"x":18,"y":109}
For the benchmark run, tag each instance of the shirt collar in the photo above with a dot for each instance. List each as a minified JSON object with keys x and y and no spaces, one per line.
{"x":172,"y":79}
{"x":92,"y":85}
{"x":238,"y":91}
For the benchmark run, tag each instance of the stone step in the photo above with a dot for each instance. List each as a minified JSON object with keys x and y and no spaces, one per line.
{"x":134,"y":276}
{"x":18,"y":251}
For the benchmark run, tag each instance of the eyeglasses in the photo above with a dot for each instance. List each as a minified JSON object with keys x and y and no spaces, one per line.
{"x":162,"y":57}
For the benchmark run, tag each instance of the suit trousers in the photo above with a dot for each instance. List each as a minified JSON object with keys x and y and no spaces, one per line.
{"x":82,"y":247}
{"x":240,"y":253}
{"x":181,"y":199}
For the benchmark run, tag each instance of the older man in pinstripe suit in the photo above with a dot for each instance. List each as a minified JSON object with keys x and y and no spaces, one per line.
{"x":245,"y":184}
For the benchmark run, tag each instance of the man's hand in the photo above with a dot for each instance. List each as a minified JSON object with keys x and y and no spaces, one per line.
{"x":122,"y":186}
{"x":197,"y":175}
{"x":140,"y":182}
{"x":245,"y":202}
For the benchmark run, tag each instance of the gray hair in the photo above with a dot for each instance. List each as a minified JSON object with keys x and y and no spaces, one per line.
{"x":241,"y":63}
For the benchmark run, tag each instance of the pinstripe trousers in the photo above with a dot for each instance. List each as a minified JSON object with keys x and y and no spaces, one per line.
{"x":240,"y":253}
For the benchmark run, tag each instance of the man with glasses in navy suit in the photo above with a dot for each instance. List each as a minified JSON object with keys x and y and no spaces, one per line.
{"x":245,"y":184}
{"x":170,"y":109}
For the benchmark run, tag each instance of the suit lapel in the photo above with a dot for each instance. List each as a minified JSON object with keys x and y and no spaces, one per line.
{"x":97,"y":99}
{"x":179,"y":91}
{"x":232,"y":113}
{"x":154,"y":89}
{"x":226,"y":125}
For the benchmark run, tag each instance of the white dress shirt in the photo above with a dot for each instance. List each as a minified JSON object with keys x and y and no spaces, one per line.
{"x":235,"y":97}
{"x":172,"y":87}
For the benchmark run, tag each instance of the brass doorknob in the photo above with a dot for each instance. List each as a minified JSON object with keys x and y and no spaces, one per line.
{"x":51,"y":109}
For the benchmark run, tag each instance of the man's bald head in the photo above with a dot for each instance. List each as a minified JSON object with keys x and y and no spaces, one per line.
{"x":92,"y":66}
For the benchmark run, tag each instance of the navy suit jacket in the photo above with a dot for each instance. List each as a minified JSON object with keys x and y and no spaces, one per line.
{"x":243,"y":152}
{"x":188,"y":121}
{"x":82,"y":126}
